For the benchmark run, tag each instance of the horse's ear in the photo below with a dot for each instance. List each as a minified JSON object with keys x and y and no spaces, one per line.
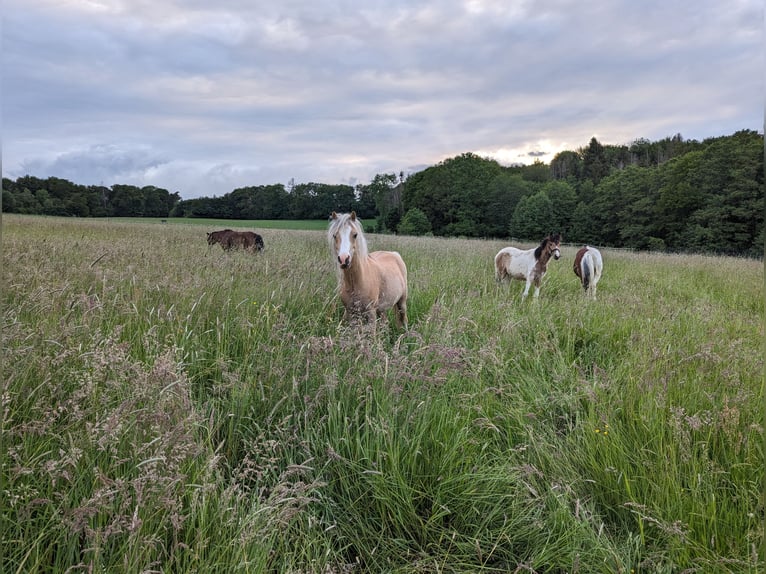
{"x":353,"y":216}
{"x":333,"y":215}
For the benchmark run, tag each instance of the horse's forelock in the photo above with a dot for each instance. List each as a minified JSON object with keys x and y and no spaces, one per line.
{"x":338,"y":220}
{"x":342,"y":219}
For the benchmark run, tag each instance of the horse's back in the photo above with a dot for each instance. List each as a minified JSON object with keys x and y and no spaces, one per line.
{"x":577,"y":266}
{"x":390,"y":262}
{"x":392,"y":271}
{"x":588,"y":266}
{"x":591,"y":256}
{"x":512,"y":262}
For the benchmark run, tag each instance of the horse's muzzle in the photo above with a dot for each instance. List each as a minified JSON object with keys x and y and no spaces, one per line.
{"x":344,"y":263}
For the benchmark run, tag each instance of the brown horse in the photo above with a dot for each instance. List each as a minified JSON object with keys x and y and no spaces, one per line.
{"x":529,"y":265}
{"x":369,"y":283}
{"x":247,"y":240}
{"x":228,"y":239}
{"x":218,"y":237}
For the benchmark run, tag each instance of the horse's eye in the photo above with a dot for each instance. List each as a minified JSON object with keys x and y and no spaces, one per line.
{"x":355,"y":234}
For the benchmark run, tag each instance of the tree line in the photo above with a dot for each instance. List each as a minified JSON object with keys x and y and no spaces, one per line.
{"x":672,"y":194}
{"x":56,"y":196}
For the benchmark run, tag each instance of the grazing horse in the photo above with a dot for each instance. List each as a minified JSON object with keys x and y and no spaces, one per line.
{"x":588,"y":266}
{"x":529,"y":265}
{"x":218,"y":237}
{"x":369,"y":283}
{"x":247,"y":240}
{"x":228,"y":239}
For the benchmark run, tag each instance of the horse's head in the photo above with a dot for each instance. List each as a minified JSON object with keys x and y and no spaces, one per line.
{"x":346,"y":238}
{"x":554,"y":242}
{"x":258,"y":242}
{"x":550,"y":247}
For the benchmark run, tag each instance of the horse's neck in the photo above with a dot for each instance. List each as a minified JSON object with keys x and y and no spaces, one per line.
{"x":542,"y":263}
{"x":354,"y":275}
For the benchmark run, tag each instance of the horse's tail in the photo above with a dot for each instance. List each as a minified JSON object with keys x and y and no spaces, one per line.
{"x":586,"y":266}
{"x":501,"y":265}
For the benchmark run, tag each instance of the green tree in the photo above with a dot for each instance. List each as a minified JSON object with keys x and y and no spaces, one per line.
{"x":680,"y":196}
{"x":538,"y":172}
{"x":567,"y":165}
{"x":9,"y":202}
{"x":499,"y":202}
{"x":563,"y":200}
{"x":414,"y":222}
{"x":155,"y":201}
{"x":532,"y":218}
{"x":127,"y":200}
{"x":730,"y":218}
{"x":595,"y":166}
{"x":386,"y":191}
{"x":453,"y":194}
{"x":365,"y":202}
{"x":77,"y":205}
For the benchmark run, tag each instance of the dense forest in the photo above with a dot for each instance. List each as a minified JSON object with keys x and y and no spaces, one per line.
{"x":672,"y":194}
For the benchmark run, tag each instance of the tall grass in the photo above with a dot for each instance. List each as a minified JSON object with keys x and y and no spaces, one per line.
{"x":170,"y":407}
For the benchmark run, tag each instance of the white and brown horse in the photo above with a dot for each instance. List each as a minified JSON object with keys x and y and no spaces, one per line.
{"x":369,"y":283}
{"x":588,"y":266}
{"x":529,"y":265}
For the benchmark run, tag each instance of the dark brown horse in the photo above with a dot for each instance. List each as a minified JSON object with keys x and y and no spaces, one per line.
{"x":247,"y":240}
{"x":218,"y":237}
{"x":229,"y":239}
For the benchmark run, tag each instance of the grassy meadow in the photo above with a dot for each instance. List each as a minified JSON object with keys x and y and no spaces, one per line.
{"x":169,"y":407}
{"x":212,"y":224}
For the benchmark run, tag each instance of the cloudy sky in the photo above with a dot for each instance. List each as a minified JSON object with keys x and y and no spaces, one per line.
{"x":202,"y":97}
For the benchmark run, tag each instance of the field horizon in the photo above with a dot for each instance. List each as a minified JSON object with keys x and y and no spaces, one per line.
{"x":171,"y":407}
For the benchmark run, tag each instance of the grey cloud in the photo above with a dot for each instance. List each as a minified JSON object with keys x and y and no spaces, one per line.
{"x":101,"y":163}
{"x":194,"y":96}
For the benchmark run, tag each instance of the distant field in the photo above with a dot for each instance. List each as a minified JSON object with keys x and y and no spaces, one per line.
{"x":306,"y":224}
{"x":171,"y":407}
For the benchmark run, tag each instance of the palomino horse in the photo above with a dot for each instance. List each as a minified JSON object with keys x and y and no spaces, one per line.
{"x":369,"y":283}
{"x":529,"y":265}
{"x":588,"y":266}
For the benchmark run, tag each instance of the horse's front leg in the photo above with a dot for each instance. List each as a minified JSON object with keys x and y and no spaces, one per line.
{"x":536,"y":280}
{"x":526,"y":290}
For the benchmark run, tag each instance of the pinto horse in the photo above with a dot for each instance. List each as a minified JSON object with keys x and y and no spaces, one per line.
{"x":529,"y":265}
{"x":369,"y":283}
{"x":588,"y":265}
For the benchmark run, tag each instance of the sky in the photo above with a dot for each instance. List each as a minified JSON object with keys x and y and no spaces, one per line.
{"x":203,"y":97}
